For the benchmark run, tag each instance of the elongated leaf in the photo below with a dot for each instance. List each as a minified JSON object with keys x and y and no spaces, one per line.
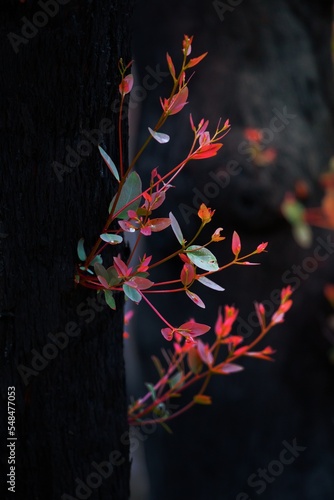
{"x":132,"y":293}
{"x":131,"y":189}
{"x":176,"y":228}
{"x":110,"y":164}
{"x":160,"y":224}
{"x":175,"y":380}
{"x":227,"y":368}
{"x":152,"y":390}
{"x":195,"y":329}
{"x":196,"y":299}
{"x":113,"y":239}
{"x":194,"y":361}
{"x":202,"y":399}
{"x":141,"y":283}
{"x":158,"y":366}
{"x":103,"y":281}
{"x":81,"y":251}
{"x":210,"y":284}
{"x":108,"y":295}
{"x":101,"y":271}
{"x":203,"y":258}
{"x":97,"y":260}
{"x":302,"y":234}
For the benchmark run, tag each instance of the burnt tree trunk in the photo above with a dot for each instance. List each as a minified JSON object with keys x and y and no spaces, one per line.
{"x":61,"y":348}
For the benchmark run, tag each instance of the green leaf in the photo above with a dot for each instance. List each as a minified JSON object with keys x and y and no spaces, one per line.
{"x":158,"y":366}
{"x":131,"y":293}
{"x":173,"y":381}
{"x":302,"y":234}
{"x":113,"y":239}
{"x":101,"y":271}
{"x":84,"y":269}
{"x":293,"y":210}
{"x":202,"y":257}
{"x":113,"y":276}
{"x":176,"y":228}
{"x":108,"y":295}
{"x":110,"y":164}
{"x":152,"y":390}
{"x":131,"y":189}
{"x":81,"y":251}
{"x":97,"y":260}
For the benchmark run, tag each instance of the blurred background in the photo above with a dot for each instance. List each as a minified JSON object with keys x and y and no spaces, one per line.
{"x":269,"y":71}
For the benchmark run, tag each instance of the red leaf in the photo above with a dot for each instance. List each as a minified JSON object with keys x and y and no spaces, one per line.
{"x":157,"y":225}
{"x":126,"y":84}
{"x":171,"y":66}
{"x":195,"y":60}
{"x":187,"y":274}
{"x":206,"y":151}
{"x":236,"y":244}
{"x":233,"y":339}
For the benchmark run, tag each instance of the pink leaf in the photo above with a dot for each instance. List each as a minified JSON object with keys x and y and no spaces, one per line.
{"x":126,"y":85}
{"x":141,"y":283}
{"x":121,"y":268}
{"x":167,"y":333}
{"x":227,"y":368}
{"x":261,"y":248}
{"x":236,"y":244}
{"x":160,"y":224}
{"x":103,"y":281}
{"x":127,"y":226}
{"x":196,"y":299}
{"x":195,"y":329}
{"x":205,"y":353}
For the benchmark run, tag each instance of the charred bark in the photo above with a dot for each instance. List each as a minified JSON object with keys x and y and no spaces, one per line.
{"x":61,"y":348}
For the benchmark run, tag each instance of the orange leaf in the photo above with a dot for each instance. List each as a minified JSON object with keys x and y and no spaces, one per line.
{"x":195,"y":60}
{"x":202,"y":399}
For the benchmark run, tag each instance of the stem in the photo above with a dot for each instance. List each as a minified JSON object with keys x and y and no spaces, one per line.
{"x":155,"y":310}
{"x":120,"y":142}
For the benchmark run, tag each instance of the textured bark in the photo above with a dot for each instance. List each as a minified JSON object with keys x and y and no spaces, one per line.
{"x":56,"y":87}
{"x":263,"y":57}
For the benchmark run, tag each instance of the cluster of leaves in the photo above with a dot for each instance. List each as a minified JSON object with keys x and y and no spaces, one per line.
{"x":195,"y":362}
{"x":261,"y":155}
{"x":302,"y":218}
{"x":132,"y":211}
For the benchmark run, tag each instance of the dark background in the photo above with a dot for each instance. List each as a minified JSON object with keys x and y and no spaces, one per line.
{"x":263,"y":57}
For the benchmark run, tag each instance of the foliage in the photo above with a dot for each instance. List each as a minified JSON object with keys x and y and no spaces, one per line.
{"x":132,"y":211}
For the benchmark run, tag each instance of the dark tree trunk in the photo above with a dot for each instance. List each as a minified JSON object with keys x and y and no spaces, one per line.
{"x":269,"y":67}
{"x":60,"y":347}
